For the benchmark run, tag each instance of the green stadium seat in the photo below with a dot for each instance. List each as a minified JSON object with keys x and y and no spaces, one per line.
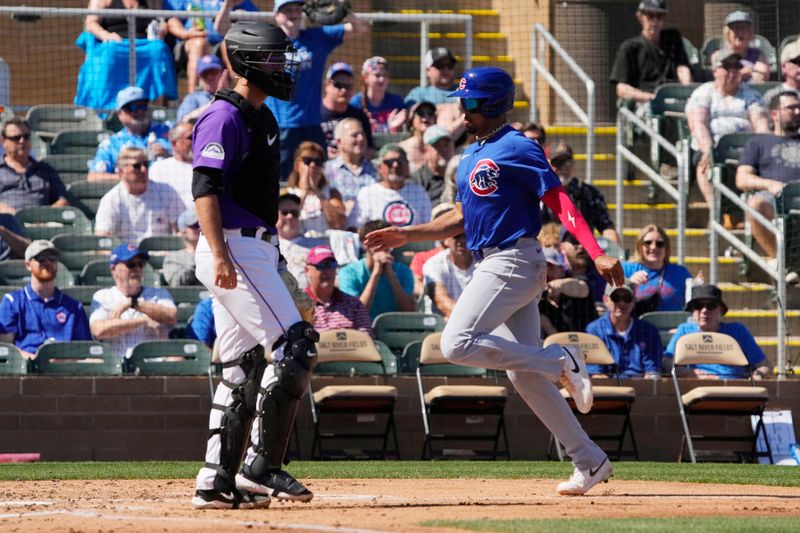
{"x":70,"y":167}
{"x":86,"y":195}
{"x":47,"y":120}
{"x":399,"y":329}
{"x":175,"y":357}
{"x":665,"y":322}
{"x":75,"y":261}
{"x":83,"y":142}
{"x":159,"y":246}
{"x":45,"y":222}
{"x":11,"y":361}
{"x":99,"y":273}
{"x":13,"y":272}
{"x":81,"y":358}
{"x":189,"y":294}
{"x":82,"y":293}
{"x":84,"y":243}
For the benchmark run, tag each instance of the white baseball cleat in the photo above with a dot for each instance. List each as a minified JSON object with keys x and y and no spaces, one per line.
{"x":583,"y":480}
{"x":575,"y":378}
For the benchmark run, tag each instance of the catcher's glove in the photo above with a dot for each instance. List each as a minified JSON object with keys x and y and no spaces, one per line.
{"x":327,"y":12}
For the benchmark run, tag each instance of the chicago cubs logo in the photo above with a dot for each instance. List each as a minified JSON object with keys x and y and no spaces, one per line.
{"x":398,"y":213}
{"x":483,"y":178}
{"x":462,"y":83}
{"x":61,"y":316}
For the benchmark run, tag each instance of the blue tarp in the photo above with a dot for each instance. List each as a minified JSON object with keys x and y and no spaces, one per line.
{"x":105,"y":71}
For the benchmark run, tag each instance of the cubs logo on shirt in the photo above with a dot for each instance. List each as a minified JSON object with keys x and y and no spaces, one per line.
{"x":483,"y":178}
{"x":61,"y":316}
{"x":398,"y":213}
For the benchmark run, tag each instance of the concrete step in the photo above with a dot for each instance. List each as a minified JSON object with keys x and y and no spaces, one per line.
{"x":728,"y":267}
{"x":663,"y":214}
{"x":747,"y":295}
{"x":696,"y":241}
{"x":769,"y":344}
{"x":763,"y":322}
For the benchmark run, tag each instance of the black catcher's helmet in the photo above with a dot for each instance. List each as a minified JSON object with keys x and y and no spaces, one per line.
{"x":262,"y":54}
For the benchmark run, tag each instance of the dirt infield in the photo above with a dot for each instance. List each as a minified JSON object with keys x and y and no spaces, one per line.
{"x":369,"y":505}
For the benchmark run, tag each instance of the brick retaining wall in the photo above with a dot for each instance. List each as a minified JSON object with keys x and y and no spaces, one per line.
{"x":160,"y":418}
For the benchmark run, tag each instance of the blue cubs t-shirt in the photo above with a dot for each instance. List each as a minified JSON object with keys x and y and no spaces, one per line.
{"x":753,"y":352}
{"x":313,"y":47}
{"x":499,"y":186}
{"x":669,"y":283}
{"x":379,"y":114}
{"x":220,"y":141}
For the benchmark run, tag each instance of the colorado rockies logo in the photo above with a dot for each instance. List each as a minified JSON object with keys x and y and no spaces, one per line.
{"x":483,"y":178}
{"x":398,"y":213}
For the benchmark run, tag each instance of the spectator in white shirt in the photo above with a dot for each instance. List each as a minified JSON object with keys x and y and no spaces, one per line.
{"x":293,"y":245}
{"x":447,"y":273}
{"x":129,"y":313}
{"x":176,"y":171}
{"x":135,"y":208}
{"x":351,"y":170}
{"x":393,"y":199}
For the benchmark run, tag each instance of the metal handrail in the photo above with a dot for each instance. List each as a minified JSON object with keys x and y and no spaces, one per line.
{"x":778,"y":274}
{"x":539,"y":36}
{"x":681,"y":154}
{"x":423,"y":19}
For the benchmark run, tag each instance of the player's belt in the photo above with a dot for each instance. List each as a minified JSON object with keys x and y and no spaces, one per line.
{"x":253,"y":233}
{"x":479,"y":255}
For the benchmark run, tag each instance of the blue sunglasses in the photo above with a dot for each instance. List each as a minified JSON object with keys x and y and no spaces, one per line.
{"x":472,"y":104}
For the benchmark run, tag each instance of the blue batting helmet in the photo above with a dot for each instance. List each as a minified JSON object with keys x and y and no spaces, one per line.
{"x":492,"y":87}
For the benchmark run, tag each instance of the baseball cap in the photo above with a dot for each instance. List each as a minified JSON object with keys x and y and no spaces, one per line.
{"x":725,"y":53}
{"x":318,"y":254}
{"x":289,"y":196}
{"x":386,"y":148}
{"x":553,"y":256}
{"x":435,"y":55}
{"x":441,"y":208}
{"x":37,"y":247}
{"x":339,"y":66}
{"x":208,"y":62}
{"x":280,"y":3}
{"x":653,"y":6}
{"x":434,"y":134}
{"x":128,"y":95}
{"x":561,"y":153}
{"x":372,"y":64}
{"x":790,"y":51}
{"x":126,"y":252}
{"x":738,"y":16}
{"x":627,"y":286}
{"x":187,"y":218}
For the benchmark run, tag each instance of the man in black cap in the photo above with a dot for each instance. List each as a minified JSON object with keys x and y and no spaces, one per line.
{"x":654,"y":57}
{"x":707,"y":309}
{"x":440,"y":64}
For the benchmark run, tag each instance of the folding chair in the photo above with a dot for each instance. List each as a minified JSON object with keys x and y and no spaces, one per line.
{"x":472,"y":403}
{"x":45,"y":222}
{"x":668,"y":117}
{"x":615,"y":400}
{"x":398,"y":329}
{"x":718,"y":400}
{"x":665,"y":322}
{"x":158,"y":246}
{"x":78,"y":358}
{"x":47,"y":120}
{"x":11,"y":361}
{"x":13,"y":272}
{"x":183,"y":357}
{"x":346,"y":352}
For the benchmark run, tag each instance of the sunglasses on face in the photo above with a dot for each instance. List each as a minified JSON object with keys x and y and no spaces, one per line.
{"x":394,"y":161}
{"x":625,"y":297}
{"x":795,"y":61}
{"x":294,"y":212}
{"x":316,"y":160}
{"x":425,"y":113}
{"x":659,"y":244}
{"x":139,"y":165}
{"x":473,"y":105}
{"x":326,"y":265}
{"x":708,"y":305}
{"x":342,"y":85}
{"x":46,"y":258}
{"x":444,"y":66}
{"x":132,"y":265}
{"x":18,"y":138}
{"x":135,"y":108}
{"x":655,"y":16}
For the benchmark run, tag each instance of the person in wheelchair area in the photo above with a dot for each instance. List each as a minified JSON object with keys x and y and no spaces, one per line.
{"x":768,"y":163}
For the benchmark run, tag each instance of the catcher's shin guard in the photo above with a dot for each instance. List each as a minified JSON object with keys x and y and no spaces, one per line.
{"x":279,"y":400}
{"x":234,"y":424}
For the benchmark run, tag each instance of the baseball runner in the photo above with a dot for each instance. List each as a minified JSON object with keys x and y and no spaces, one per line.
{"x":495,"y":322}
{"x":235,"y":186}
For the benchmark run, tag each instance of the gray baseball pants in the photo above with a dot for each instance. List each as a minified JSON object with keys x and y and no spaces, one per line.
{"x":495,"y":324}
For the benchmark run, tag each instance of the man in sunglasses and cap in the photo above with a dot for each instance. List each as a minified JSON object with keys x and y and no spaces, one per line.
{"x":707,"y":309}
{"x":634,"y":344}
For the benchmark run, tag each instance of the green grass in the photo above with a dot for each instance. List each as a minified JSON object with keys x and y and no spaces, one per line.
{"x":615,"y":525}
{"x":698,"y":473}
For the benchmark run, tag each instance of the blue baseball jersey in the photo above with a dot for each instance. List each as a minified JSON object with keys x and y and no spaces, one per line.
{"x":105,"y":160}
{"x":34,"y":321}
{"x":499,"y":186}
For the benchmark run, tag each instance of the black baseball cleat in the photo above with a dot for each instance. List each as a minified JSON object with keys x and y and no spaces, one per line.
{"x":233,"y":499}
{"x":277,"y":483}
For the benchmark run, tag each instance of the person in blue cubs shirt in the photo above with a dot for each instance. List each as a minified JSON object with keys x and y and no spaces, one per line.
{"x":39,"y":312}
{"x":707,"y":309}
{"x":299,"y":119}
{"x":634,"y":344}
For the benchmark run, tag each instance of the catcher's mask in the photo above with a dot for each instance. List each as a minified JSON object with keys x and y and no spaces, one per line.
{"x":263,"y":55}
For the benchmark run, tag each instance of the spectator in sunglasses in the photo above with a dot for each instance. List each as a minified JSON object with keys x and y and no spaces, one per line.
{"x":128,"y":313}
{"x":138,"y":130}
{"x":176,"y":171}
{"x":440,"y":64}
{"x":294,"y":246}
{"x":40,"y":312}
{"x":178,"y":268}
{"x":737,"y":34}
{"x":351,"y":170}
{"x":321,"y":206}
{"x":23,"y":180}
{"x":333,"y":308}
{"x":136,"y":208}
{"x":659,"y":283}
{"x":708,"y":308}
{"x":634,"y":344}
{"x":339,"y":87}
{"x":790,"y":69}
{"x":422,"y":116}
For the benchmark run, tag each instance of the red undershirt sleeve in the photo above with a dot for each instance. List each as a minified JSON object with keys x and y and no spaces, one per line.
{"x":560,"y":204}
